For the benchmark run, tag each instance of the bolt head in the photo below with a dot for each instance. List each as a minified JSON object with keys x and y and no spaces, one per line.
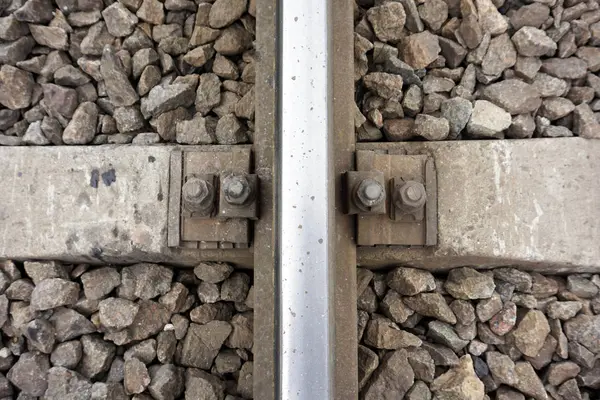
{"x":198,"y":195}
{"x":411,"y":196}
{"x":370,"y":193}
{"x":237,"y":190}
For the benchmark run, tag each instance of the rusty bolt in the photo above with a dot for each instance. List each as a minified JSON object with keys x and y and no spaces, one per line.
{"x":410,"y":196}
{"x":237,"y":190}
{"x":198,"y":195}
{"x":370,"y":193}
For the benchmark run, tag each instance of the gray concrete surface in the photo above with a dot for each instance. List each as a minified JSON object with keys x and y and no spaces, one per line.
{"x":531,"y":202}
{"x":91,"y":204}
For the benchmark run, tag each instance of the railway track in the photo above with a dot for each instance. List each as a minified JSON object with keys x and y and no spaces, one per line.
{"x":269,"y":177}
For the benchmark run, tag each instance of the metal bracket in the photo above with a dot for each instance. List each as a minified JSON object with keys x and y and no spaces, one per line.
{"x":411,"y":199}
{"x":212,"y":197}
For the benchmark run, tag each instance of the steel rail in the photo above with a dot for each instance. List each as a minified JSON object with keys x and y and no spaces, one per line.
{"x":305,"y":237}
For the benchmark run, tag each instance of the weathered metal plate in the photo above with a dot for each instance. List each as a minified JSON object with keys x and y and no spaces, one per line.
{"x":382,"y":229}
{"x":191,"y":231}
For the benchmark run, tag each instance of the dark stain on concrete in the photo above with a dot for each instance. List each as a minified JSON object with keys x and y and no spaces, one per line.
{"x":151,"y":159}
{"x":109,"y":177}
{"x":71,"y":240}
{"x":95,"y":178}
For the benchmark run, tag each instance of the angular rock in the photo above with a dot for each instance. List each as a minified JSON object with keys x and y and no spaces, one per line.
{"x":431,"y":128}
{"x":460,"y":382}
{"x":145,"y":281}
{"x":585,"y":123}
{"x":565,"y":68}
{"x":529,"y":383}
{"x":421,"y":49}
{"x":16,"y":87}
{"x":394,"y":308}
{"x":53,"y":37}
{"x":69,"y":324}
{"x":35,"y":11}
{"x":410,"y":281}
{"x":468,"y":284}
{"x":392,"y":379}
{"x":488,"y":120}
{"x":501,"y":55}
{"x":151,"y":11}
{"x":585,"y":330}
{"x":502,"y":368}
{"x":167,"y":98}
{"x":67,"y":354}
{"x":203,"y":342}
{"x":531,"y":333}
{"x":119,"y":20}
{"x":136,"y":378}
{"x":99,"y":282}
{"x":490,"y":19}
{"x":30,"y":373}
{"x":443,"y":333}
{"x":119,"y":89}
{"x":505,"y":320}
{"x":397,"y":130}
{"x":533,"y":42}
{"x":513,"y":95}
{"x":431,"y":305}
{"x":40,"y":334}
{"x":225,"y":12}
{"x":97,"y":356}
{"x":387,"y":21}
{"x":382,"y":333}
{"x":116,"y":313}
{"x":234,"y":40}
{"x":458,"y":112}
{"x":367,"y":364}
{"x":64,"y":384}
{"x":82,"y":127}
{"x":167,"y":383}
{"x":202,"y":385}
{"x":385,"y":85}
{"x":434,"y":13}
{"x":52,"y":293}
{"x":13,"y":52}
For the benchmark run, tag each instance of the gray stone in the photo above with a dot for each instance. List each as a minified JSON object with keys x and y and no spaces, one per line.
{"x":533,"y":42}
{"x":166,"y":343}
{"x":224,"y":12}
{"x":458,"y":112}
{"x":20,"y":289}
{"x":144,"y":351}
{"x":234,"y":40}
{"x":434,"y":13}
{"x":460,"y":382}
{"x":387,"y":21}
{"x":502,"y":368}
{"x":145,"y":281}
{"x":199,"y":56}
{"x":392,"y":379}
{"x":388,"y":86}
{"x":382,"y":333}
{"x":585,"y":330}
{"x":40,"y":334}
{"x":394,"y":308}
{"x":367,"y":364}
{"x":504,"y":321}
{"x":97,"y":356}
{"x":235,"y":287}
{"x":410,"y":281}
{"x":53,"y":37}
{"x":520,"y":279}
{"x":54,"y":292}
{"x":420,"y":49}
{"x":230,"y":130}
{"x":151,"y":11}
{"x":175,"y":299}
{"x":501,"y":55}
{"x":490,"y":18}
{"x":530,"y":15}
{"x":531,"y":333}
{"x":585,"y":124}
{"x":119,"y":20}
{"x":35,"y":11}
{"x":241,"y":336}
{"x":464,"y":311}
{"x":245,"y":380}
{"x":136,"y":377}
{"x":581,"y":355}
{"x":513,"y":95}
{"x":487,"y":308}
{"x":64,"y":384}
{"x":422,"y":363}
{"x":443,"y":333}
{"x":167,"y":98}
{"x":117,"y":313}
{"x":570,"y":390}
{"x":453,"y":52}
{"x":69,"y":324}
{"x":82,"y":127}
{"x":16,"y":87}
{"x":558,"y":373}
{"x":15,"y":51}
{"x":488,"y":120}
{"x":68,"y":75}
{"x":98,"y":283}
{"x":431,"y":128}
{"x":555,"y":108}
{"x":67,"y":354}
{"x":565,"y":68}
{"x":200,"y":385}
{"x":167,"y":383}
{"x":12,"y":29}
{"x":563,"y":310}
{"x":30,"y":373}
{"x":128,"y":119}
{"x":118,"y":87}
{"x":34,"y":135}
{"x":431,"y":305}
{"x":108,"y":391}
{"x":468,"y":284}
{"x":529,"y":383}
{"x":203,"y":342}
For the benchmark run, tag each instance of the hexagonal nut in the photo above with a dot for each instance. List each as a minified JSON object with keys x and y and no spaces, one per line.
{"x":410,"y":196}
{"x":237,"y":190}
{"x":369,"y":193}
{"x":198,"y":195}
